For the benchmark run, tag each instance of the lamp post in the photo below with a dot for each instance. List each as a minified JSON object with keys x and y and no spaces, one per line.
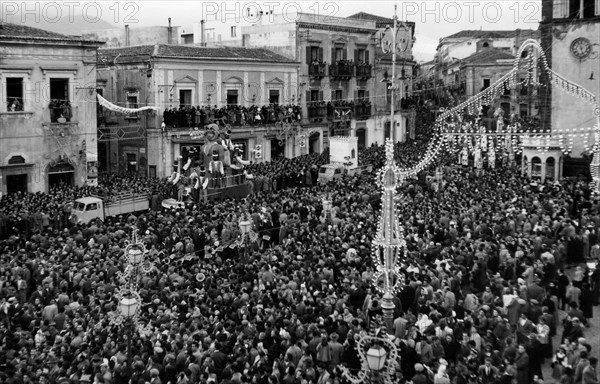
{"x":389,"y":242}
{"x":128,"y":307}
{"x":129,"y":299}
{"x":327,"y":205}
{"x":394,"y":47}
{"x":245,"y":227}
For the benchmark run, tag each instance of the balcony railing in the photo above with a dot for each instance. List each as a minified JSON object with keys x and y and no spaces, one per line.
{"x":363,"y":71}
{"x":362,"y":111}
{"x":342,"y":69}
{"x":60,"y":111}
{"x":317,"y":111}
{"x":317,"y":70}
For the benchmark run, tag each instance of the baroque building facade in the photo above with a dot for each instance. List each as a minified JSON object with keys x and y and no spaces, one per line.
{"x":248,"y":91}
{"x":47,"y":111}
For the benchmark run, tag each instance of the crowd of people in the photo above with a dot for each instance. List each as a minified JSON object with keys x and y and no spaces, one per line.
{"x":233,"y":115}
{"x":489,"y":280}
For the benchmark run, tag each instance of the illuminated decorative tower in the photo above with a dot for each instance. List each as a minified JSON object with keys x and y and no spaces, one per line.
{"x":389,"y":241}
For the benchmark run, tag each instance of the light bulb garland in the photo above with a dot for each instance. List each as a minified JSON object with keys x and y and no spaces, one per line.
{"x":446,"y":125}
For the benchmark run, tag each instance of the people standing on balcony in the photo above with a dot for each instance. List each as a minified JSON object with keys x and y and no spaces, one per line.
{"x":234,"y":115}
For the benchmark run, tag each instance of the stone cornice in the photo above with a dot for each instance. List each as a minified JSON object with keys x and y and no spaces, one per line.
{"x":336,"y":28}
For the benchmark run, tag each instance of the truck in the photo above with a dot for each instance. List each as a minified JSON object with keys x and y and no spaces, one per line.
{"x":332,"y":171}
{"x":88,"y":208}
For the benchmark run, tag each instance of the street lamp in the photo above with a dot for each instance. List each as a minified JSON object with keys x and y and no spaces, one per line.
{"x":247,"y":234}
{"x":129,"y":300}
{"x":394,"y":47}
{"x":128,"y":307}
{"x":378,"y":356}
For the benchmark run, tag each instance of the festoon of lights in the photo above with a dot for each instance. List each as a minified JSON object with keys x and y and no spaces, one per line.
{"x":129,"y":307}
{"x":389,"y":241}
{"x":451,"y":122}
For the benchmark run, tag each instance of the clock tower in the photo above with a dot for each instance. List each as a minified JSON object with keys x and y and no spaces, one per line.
{"x":570,"y":36}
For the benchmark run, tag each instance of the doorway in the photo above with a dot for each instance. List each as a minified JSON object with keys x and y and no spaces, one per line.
{"x":314,"y":141}
{"x":277,"y":149}
{"x":16,"y":183}
{"x":131,"y":163}
{"x":61,"y":174}
{"x":361,"y":134}
{"x":185,"y":98}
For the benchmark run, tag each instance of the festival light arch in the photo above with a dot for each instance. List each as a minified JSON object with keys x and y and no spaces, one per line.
{"x":450,"y":121}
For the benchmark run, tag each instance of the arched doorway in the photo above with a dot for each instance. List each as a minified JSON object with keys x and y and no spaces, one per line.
{"x":61,"y":174}
{"x":277,"y":149}
{"x":536,"y":167}
{"x":314,"y":143}
{"x":387,"y":131}
{"x":550,"y":168}
{"x":361,"y":134}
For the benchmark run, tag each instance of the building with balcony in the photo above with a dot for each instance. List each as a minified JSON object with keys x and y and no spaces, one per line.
{"x":47,"y":108}
{"x":253,"y":92}
{"x":341,"y":78}
{"x":344,"y":79}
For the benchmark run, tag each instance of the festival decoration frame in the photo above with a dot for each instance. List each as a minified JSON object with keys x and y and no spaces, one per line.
{"x":136,"y":263}
{"x":363,"y":344}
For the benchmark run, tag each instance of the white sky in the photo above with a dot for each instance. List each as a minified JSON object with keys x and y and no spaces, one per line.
{"x":434,"y":19}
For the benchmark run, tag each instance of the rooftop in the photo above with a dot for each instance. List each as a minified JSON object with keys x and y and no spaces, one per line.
{"x":497,"y":34}
{"x":487,"y":56}
{"x":143,"y":52}
{"x":9,"y":31}
{"x":380,"y":21}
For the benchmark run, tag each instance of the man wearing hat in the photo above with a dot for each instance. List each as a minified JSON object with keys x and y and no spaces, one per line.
{"x":419,"y":377}
{"x":201,"y":185}
{"x":216,"y":170}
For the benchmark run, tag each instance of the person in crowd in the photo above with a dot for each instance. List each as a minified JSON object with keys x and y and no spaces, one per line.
{"x":290,"y":308}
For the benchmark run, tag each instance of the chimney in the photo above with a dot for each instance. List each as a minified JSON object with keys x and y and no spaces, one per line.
{"x":127,"y":35}
{"x":169,"y":33}
{"x":202,"y":34}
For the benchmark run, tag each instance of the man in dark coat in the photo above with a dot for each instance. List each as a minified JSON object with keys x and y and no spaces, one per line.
{"x":522,"y":365}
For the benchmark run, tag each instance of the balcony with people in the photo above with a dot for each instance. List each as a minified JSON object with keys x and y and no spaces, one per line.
{"x":60,"y":111}
{"x":186,"y":117}
{"x":342,"y":70}
{"x":363,"y":71}
{"x":317,"y":110}
{"x":317,"y":69}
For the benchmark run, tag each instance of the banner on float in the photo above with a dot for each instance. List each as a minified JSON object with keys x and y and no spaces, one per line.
{"x":128,"y":111}
{"x":92,"y":170}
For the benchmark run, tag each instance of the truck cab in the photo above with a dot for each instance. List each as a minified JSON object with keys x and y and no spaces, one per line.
{"x":329,"y":172}
{"x":87,"y":209}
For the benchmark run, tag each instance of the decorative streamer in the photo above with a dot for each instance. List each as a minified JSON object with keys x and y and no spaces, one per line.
{"x":128,"y":111}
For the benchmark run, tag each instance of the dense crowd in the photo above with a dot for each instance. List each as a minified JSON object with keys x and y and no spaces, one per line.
{"x":234,"y":115}
{"x":486,"y":287}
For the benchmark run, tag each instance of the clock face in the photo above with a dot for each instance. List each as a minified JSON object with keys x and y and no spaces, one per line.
{"x":581,"y":47}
